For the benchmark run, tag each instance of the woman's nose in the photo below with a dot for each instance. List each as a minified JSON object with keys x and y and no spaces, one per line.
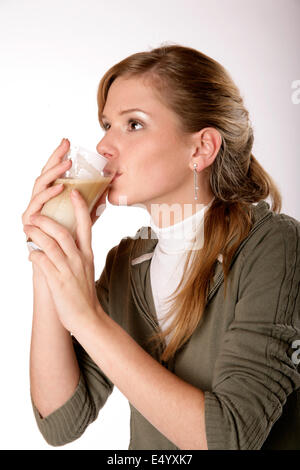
{"x":105,"y":149}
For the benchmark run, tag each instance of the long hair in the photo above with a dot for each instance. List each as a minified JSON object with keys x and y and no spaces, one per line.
{"x":202,"y":94}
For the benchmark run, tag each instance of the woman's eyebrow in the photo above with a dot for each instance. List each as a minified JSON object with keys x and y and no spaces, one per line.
{"x":127,"y":111}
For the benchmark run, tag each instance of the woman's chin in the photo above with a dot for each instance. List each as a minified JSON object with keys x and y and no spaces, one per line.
{"x":117,"y":199}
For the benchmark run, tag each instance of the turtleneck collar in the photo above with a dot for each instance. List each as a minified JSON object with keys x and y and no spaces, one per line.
{"x":178,"y":238}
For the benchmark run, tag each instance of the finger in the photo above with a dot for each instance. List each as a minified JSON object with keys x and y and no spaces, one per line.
{"x":48,"y":269}
{"x":40,"y":199}
{"x":49,"y":246}
{"x":48,"y":177}
{"x":55,"y":231}
{"x":84,"y":224}
{"x":57,"y":155}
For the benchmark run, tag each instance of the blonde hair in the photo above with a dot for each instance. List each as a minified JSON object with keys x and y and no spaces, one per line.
{"x":202,"y":94}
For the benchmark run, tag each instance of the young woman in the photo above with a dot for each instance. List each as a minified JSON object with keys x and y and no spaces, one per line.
{"x":197,"y":327}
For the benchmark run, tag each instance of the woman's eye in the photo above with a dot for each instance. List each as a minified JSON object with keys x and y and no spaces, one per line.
{"x":133,"y":121}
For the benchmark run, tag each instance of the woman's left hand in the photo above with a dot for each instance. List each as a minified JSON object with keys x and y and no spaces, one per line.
{"x":67,"y":265}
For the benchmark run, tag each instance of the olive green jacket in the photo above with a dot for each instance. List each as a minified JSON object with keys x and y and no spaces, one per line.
{"x":244,"y":353}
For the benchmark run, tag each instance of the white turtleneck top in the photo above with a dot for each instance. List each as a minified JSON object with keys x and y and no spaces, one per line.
{"x":167,"y":263}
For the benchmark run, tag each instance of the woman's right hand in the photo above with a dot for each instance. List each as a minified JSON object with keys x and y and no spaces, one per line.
{"x":43,"y":189}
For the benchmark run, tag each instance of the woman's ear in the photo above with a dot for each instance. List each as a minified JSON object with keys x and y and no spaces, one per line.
{"x":207,"y":143}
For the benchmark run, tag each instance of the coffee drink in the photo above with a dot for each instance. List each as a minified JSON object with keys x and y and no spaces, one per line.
{"x":60,"y":207}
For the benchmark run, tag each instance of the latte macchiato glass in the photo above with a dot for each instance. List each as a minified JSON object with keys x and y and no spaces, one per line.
{"x":89,"y":176}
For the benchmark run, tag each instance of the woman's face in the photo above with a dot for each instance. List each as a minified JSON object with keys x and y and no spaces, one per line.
{"x":147,"y":147}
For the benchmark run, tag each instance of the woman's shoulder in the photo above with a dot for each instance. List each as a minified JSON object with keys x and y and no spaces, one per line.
{"x":270,"y":259}
{"x":284,"y":221}
{"x":273,"y":230}
{"x":269,"y":271}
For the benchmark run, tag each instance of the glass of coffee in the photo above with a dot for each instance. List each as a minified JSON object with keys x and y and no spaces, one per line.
{"x":89,"y":175}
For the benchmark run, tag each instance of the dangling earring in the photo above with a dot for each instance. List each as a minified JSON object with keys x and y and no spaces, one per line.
{"x":196,"y":187}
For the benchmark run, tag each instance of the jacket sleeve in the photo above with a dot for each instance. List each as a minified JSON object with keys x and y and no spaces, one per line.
{"x":256,"y":369}
{"x":69,"y":422}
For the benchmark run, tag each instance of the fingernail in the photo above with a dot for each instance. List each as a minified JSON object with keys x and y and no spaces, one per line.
{"x":75,"y":193}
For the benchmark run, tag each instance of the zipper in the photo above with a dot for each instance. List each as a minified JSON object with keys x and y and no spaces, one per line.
{"x":146,"y":314}
{"x":221,"y":275}
{"x":150,"y":319}
{"x":152,"y":322}
{"x":157,"y":330}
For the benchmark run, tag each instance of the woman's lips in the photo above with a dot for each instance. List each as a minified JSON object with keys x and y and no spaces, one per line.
{"x":115,"y":177}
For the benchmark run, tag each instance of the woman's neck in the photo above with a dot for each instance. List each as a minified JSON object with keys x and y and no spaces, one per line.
{"x":165,"y":215}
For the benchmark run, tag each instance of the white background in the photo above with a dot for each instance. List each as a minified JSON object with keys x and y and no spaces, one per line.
{"x":52,"y":57}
